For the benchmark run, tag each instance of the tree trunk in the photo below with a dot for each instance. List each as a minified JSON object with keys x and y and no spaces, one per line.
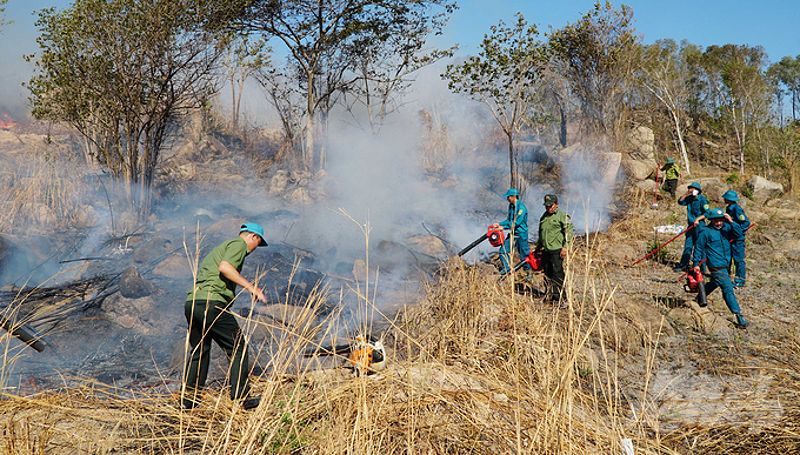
{"x":511,"y":161}
{"x":563,"y":136}
{"x":309,"y":146}
{"x":681,"y":144}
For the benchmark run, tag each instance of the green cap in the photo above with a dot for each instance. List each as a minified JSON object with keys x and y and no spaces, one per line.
{"x":670,"y":161}
{"x":511,"y":192}
{"x":730,"y":195}
{"x":715,"y":214}
{"x":550,"y":199}
{"x":696,"y":185}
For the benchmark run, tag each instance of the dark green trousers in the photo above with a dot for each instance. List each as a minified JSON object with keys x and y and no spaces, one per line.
{"x":207,"y":322}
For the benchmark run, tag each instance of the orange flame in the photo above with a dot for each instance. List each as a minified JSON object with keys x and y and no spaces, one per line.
{"x":6,"y":122}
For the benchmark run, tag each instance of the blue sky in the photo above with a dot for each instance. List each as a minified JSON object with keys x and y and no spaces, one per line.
{"x":772,"y":24}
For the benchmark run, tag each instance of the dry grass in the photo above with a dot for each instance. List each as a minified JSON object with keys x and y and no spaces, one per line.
{"x":40,"y":193}
{"x":475,"y":367}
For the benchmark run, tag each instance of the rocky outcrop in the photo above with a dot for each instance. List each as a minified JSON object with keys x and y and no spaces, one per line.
{"x":641,"y":143}
{"x":763,"y":189}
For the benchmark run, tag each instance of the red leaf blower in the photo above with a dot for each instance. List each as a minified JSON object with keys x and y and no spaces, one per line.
{"x":696,"y":284}
{"x":495,"y":235}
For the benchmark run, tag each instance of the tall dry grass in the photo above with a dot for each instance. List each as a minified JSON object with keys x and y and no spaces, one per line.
{"x":475,"y":367}
{"x":41,"y":193}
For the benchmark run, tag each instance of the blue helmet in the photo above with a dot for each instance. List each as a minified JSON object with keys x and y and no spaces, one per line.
{"x":730,"y":195}
{"x":511,"y":192}
{"x":696,"y":185}
{"x":715,"y":214}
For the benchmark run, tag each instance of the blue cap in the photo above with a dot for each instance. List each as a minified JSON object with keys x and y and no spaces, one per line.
{"x":714,"y":214}
{"x":730,"y":195}
{"x":256,"y":229}
{"x":511,"y":192}
{"x":696,"y":185}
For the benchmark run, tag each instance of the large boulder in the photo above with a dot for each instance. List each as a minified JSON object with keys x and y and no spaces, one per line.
{"x":641,"y":143}
{"x":639,"y":169}
{"x":764,"y":189}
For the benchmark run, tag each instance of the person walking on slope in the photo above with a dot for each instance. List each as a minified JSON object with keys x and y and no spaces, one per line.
{"x":555,"y":236}
{"x":671,"y":175}
{"x":696,"y":206}
{"x":713,"y":250}
{"x":207,"y":312}
{"x":517,"y":222}
{"x":737,"y":247}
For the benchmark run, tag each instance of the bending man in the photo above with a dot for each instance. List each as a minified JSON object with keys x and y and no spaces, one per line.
{"x":207,"y":312}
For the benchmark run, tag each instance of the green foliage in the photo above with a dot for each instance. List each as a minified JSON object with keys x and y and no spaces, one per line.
{"x":121,"y":72}
{"x":732,"y":178}
{"x":598,"y":55}
{"x":661,"y":255}
{"x":747,"y":192}
{"x":288,"y":437}
{"x":504,"y":76}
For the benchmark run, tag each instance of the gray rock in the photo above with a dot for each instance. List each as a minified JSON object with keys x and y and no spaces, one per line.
{"x":764,"y":189}
{"x":639,"y":169}
{"x":279,"y":182}
{"x":133,"y":286}
{"x":641,"y":143}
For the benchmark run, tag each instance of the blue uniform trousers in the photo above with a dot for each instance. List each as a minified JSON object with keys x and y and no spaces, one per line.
{"x":737,"y":251}
{"x":721,"y":279}
{"x":523,"y":249}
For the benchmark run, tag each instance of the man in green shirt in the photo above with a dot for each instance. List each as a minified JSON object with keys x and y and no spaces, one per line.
{"x":671,"y":175}
{"x":207,"y":312}
{"x":555,"y":235}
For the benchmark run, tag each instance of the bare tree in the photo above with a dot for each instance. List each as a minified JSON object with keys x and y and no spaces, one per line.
{"x":326,"y":41}
{"x":664,"y":74}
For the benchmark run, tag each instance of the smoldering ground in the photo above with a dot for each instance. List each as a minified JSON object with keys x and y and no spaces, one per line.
{"x":401,"y":199}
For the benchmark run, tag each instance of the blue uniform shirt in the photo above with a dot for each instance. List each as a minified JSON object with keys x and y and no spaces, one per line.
{"x":714,"y":245}
{"x":737,"y":213}
{"x":518,"y":215}
{"x":695,"y":206}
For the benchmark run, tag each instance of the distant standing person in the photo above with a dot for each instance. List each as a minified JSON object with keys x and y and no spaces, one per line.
{"x":555,"y":236}
{"x":696,"y":206}
{"x":738,"y":216}
{"x":713,"y":250}
{"x":207,"y":312}
{"x":517,"y":222}
{"x":671,"y":175}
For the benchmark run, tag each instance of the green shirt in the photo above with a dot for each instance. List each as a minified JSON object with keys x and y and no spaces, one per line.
{"x":555,"y":231}
{"x":211,"y":284}
{"x":672,"y":172}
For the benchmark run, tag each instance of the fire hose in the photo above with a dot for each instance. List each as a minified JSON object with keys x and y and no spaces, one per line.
{"x":689,"y":228}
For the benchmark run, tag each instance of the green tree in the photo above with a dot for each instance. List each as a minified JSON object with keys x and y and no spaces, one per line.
{"x":787,"y":72}
{"x":598,"y":55}
{"x":739,"y":91}
{"x":504,"y":76}
{"x":121,"y":72}
{"x":327,"y":42}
